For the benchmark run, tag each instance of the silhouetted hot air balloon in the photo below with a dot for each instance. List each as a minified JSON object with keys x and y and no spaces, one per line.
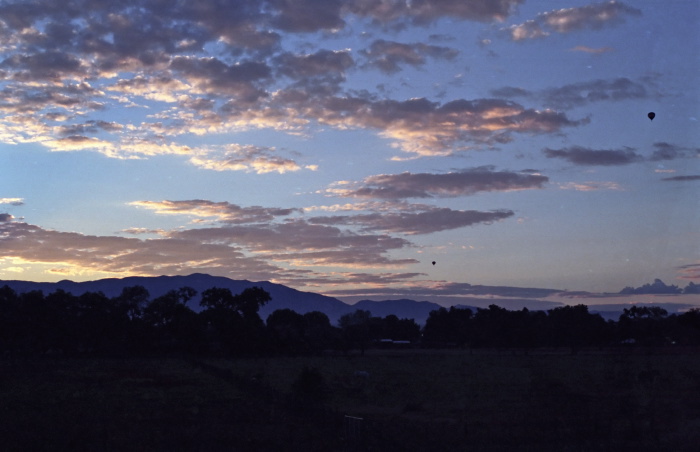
{"x":651,"y":115}
{"x":433,"y":262}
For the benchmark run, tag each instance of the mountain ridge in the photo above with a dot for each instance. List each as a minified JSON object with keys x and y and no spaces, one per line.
{"x":283,"y":297}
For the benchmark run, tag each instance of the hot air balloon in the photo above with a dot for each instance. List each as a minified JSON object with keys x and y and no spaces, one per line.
{"x":651,"y":115}
{"x":433,"y":262}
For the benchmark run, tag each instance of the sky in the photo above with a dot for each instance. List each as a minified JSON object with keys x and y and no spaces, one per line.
{"x":343,"y":146}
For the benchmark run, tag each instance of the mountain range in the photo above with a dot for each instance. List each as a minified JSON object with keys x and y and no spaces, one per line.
{"x":283,"y":297}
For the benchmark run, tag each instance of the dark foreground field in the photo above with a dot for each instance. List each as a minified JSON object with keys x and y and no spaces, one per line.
{"x":395,"y":400}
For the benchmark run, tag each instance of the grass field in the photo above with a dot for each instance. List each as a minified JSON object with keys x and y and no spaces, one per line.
{"x":407,"y":400}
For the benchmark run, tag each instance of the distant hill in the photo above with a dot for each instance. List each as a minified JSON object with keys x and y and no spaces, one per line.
{"x":283,"y":297}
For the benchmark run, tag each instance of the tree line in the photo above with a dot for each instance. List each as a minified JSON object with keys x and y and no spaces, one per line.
{"x":573,"y":327}
{"x":227,"y":324}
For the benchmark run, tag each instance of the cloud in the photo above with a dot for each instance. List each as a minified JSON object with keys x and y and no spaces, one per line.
{"x":140,"y":231}
{"x":79,"y":143}
{"x":595,"y":51}
{"x":12,"y":201}
{"x":209,"y":75}
{"x":119,"y":37}
{"x":307,"y":15}
{"x":247,"y":158}
{"x":428,"y":128}
{"x":224,"y":69}
{"x":221,"y":211}
{"x":584,"y":156}
{"x":48,"y":65}
{"x":577,"y":94}
{"x":590,"y":186}
{"x":427,"y":185}
{"x":608,"y":157}
{"x":115,"y":33}
{"x":321,"y":63}
{"x":126,"y":148}
{"x":666,"y":151}
{"x":305,"y":244}
{"x":690,"y":271}
{"x":90,"y":126}
{"x":314,"y":75}
{"x":34,"y":245}
{"x":430,"y":220}
{"x":163,"y":87}
{"x":374,"y":206}
{"x":422,"y":12}
{"x":33,"y":97}
{"x":431,"y":289}
{"x":510,"y":91}
{"x":593,"y":17}
{"x":582,"y":93}
{"x":256,"y":252}
{"x":681,"y":178}
{"x":373,"y":279}
{"x":527,"y":30}
{"x":388,"y":56}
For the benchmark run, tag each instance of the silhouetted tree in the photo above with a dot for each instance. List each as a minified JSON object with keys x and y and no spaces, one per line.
{"x":67,"y":322}
{"x":217,"y":299}
{"x":164,"y":310}
{"x":689,"y":323}
{"x":535,"y":328}
{"x":250,"y":301}
{"x":400,"y":329}
{"x":133,"y":300}
{"x":524,"y":328}
{"x":356,"y":329}
{"x":644,"y":312}
{"x":291,"y":332}
{"x":287,"y":331}
{"x":493,"y":327}
{"x":437,"y":327}
{"x":36,"y":322}
{"x":103,"y":323}
{"x":647,"y":325}
{"x":131,"y":303}
{"x":571,"y":326}
{"x":575,"y":327}
{"x":319,"y":332}
{"x":453,"y":326}
{"x":175,"y":327}
{"x":247,"y":303}
{"x":31,"y":323}
{"x":233,"y":321}
{"x":691,"y":318}
{"x":10,"y":324}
